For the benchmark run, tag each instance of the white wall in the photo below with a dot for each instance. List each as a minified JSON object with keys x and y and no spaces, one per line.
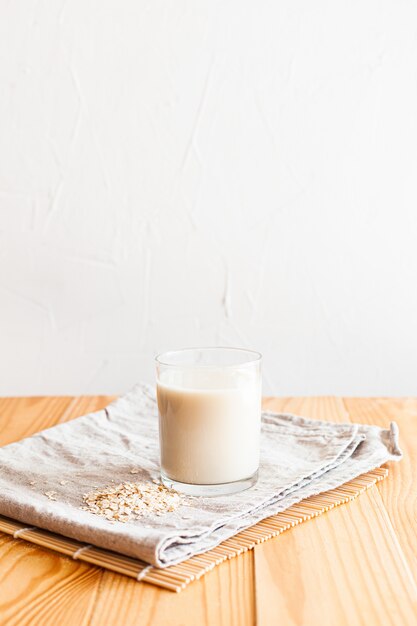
{"x":178,"y":173}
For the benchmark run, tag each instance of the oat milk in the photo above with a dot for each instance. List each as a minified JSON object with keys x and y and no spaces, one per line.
{"x":209,"y":426}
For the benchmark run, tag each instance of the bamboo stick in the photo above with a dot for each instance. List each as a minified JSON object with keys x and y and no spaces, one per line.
{"x":149,"y":578}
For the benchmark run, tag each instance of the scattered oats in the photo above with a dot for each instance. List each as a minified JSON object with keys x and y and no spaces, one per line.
{"x":134,"y":471}
{"x":131,"y":501}
{"x":63,"y":482}
{"x":32,"y":482}
{"x":51,"y":495}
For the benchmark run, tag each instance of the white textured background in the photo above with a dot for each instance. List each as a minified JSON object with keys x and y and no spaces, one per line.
{"x":178,"y":173}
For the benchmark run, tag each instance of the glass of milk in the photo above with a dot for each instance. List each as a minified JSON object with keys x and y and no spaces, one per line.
{"x":209,"y":402}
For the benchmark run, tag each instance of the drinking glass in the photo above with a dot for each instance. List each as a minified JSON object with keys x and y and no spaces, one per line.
{"x":209,"y":403}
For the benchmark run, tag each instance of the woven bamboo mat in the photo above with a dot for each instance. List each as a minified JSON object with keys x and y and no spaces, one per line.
{"x":177,"y":577}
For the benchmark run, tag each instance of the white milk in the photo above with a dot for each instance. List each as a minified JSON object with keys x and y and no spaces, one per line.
{"x":209,"y":426}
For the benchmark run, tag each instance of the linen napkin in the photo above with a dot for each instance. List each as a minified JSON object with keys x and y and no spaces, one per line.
{"x":299,"y":457}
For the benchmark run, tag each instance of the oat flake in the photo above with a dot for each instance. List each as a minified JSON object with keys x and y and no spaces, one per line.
{"x":130,"y":501}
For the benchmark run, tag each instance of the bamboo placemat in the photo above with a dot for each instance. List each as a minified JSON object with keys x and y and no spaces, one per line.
{"x":177,"y":577}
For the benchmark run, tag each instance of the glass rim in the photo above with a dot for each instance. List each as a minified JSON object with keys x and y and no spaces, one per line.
{"x":256,"y":357}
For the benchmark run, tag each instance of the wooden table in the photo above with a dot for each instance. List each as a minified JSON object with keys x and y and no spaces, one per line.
{"x":354,"y":565}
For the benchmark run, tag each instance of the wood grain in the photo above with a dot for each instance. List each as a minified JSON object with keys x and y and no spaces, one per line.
{"x":38,"y":587}
{"x":22,"y":417}
{"x":356,"y":565}
{"x":223,"y":596}
{"x":399,"y":495}
{"x":347,"y":569}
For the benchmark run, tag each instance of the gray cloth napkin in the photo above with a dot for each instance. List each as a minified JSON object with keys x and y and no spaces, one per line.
{"x":300,"y":457}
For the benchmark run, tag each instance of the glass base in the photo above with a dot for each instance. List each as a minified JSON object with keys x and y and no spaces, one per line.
{"x":222,"y":489}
